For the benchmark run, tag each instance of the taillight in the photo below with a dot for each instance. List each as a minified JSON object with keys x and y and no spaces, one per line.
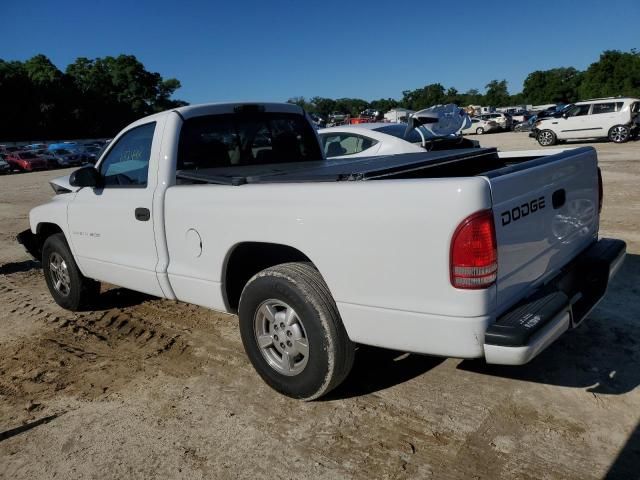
{"x":600,"y":191}
{"x":474,"y":255}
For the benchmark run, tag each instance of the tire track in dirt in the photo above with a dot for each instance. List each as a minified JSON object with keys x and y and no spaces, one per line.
{"x":86,"y":355}
{"x":111,"y":326}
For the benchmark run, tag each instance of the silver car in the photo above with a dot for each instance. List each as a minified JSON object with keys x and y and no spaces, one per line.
{"x":480,"y":126}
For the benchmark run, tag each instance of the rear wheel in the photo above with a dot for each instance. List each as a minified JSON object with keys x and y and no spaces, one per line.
{"x":292,"y":331}
{"x":69,"y":288}
{"x":546,"y":138}
{"x":619,"y":134}
{"x":479,"y":130}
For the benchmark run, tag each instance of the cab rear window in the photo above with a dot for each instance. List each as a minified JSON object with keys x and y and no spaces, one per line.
{"x":229,"y":140}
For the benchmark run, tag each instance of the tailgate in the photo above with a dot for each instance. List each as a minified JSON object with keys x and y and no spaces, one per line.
{"x":545,"y":212}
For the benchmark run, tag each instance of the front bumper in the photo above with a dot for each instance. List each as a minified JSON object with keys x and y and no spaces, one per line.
{"x":537,"y":321}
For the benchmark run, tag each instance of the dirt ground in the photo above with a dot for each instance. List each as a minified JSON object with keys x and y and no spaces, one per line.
{"x":145,"y":388}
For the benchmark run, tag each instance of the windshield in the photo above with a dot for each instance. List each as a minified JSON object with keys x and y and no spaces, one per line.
{"x":398,"y":129}
{"x":27,"y":155}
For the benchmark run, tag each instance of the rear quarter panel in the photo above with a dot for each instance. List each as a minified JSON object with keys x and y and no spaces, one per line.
{"x":377,"y":243}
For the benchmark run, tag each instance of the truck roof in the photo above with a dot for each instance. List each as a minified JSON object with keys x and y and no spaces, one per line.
{"x":221,"y":108}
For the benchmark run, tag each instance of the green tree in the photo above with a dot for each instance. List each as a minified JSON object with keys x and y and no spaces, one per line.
{"x":384,"y":104}
{"x":615,"y":73}
{"x":91,"y":98}
{"x":558,"y":85}
{"x":473,"y":97}
{"x":427,"y":96}
{"x":497,"y":94}
{"x":324,"y":106}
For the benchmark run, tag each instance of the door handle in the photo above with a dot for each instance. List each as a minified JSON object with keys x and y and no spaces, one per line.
{"x":143,"y":214}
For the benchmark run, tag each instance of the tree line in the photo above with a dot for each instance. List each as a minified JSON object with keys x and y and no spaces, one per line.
{"x":92,"y":98}
{"x":615,"y":73}
{"x":98,"y":97}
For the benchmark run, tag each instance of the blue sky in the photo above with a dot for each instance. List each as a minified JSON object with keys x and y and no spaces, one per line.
{"x":274,"y":50}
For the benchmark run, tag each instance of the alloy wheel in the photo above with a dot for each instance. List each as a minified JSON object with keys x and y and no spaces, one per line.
{"x":59,"y":274}
{"x":281,"y":337}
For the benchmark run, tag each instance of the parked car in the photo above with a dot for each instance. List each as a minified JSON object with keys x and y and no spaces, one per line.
{"x":479,"y":126}
{"x":368,"y":139}
{"x":375,"y":139}
{"x":25,"y":161}
{"x":504,"y":120}
{"x":36,"y":146}
{"x":336,"y":117}
{"x":520,"y":116}
{"x":69,"y":146}
{"x":317,"y":120}
{"x":9,"y":149}
{"x":4,"y":165}
{"x":61,"y":158}
{"x":465,"y":253}
{"x":523,"y":127}
{"x":371,"y":113}
{"x":91,"y":153}
{"x":612,"y":118}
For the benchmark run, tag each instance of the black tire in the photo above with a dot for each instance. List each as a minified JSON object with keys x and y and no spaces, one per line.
{"x":479,"y":131}
{"x":330,"y":353}
{"x":547,"y":138}
{"x":82,"y":291}
{"x":619,"y":134}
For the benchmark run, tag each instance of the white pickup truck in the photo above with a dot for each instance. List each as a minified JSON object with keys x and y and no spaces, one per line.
{"x":461,"y":252}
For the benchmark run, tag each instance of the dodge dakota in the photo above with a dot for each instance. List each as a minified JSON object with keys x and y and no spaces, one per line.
{"x":463,"y":252}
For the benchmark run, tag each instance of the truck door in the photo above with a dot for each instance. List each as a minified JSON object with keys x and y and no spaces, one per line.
{"x":111,"y":227}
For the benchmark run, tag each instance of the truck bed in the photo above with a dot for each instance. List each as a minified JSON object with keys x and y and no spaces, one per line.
{"x":451,"y":163}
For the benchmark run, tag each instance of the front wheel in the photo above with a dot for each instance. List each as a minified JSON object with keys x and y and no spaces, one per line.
{"x":292,"y":331}
{"x":619,"y":134}
{"x":546,"y":138}
{"x":69,"y":288}
{"x":479,"y":130}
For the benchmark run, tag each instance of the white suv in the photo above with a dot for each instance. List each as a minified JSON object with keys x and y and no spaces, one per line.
{"x":613,"y":118}
{"x":504,"y":121}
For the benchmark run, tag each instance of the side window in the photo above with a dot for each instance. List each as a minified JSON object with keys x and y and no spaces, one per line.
{"x":345,"y":144}
{"x":604,"y":108}
{"x":127,"y":163}
{"x":579,"y":111}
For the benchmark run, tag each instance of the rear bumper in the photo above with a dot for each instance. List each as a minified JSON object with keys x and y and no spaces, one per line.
{"x":536,"y":322}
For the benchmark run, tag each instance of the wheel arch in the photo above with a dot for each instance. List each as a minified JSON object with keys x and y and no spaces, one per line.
{"x":34,"y":242}
{"x":245,"y":259}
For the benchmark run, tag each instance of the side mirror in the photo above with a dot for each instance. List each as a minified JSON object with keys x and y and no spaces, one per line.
{"x":565,"y":116}
{"x":85,"y":177}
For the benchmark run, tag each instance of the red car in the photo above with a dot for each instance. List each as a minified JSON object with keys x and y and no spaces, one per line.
{"x":26,"y":161}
